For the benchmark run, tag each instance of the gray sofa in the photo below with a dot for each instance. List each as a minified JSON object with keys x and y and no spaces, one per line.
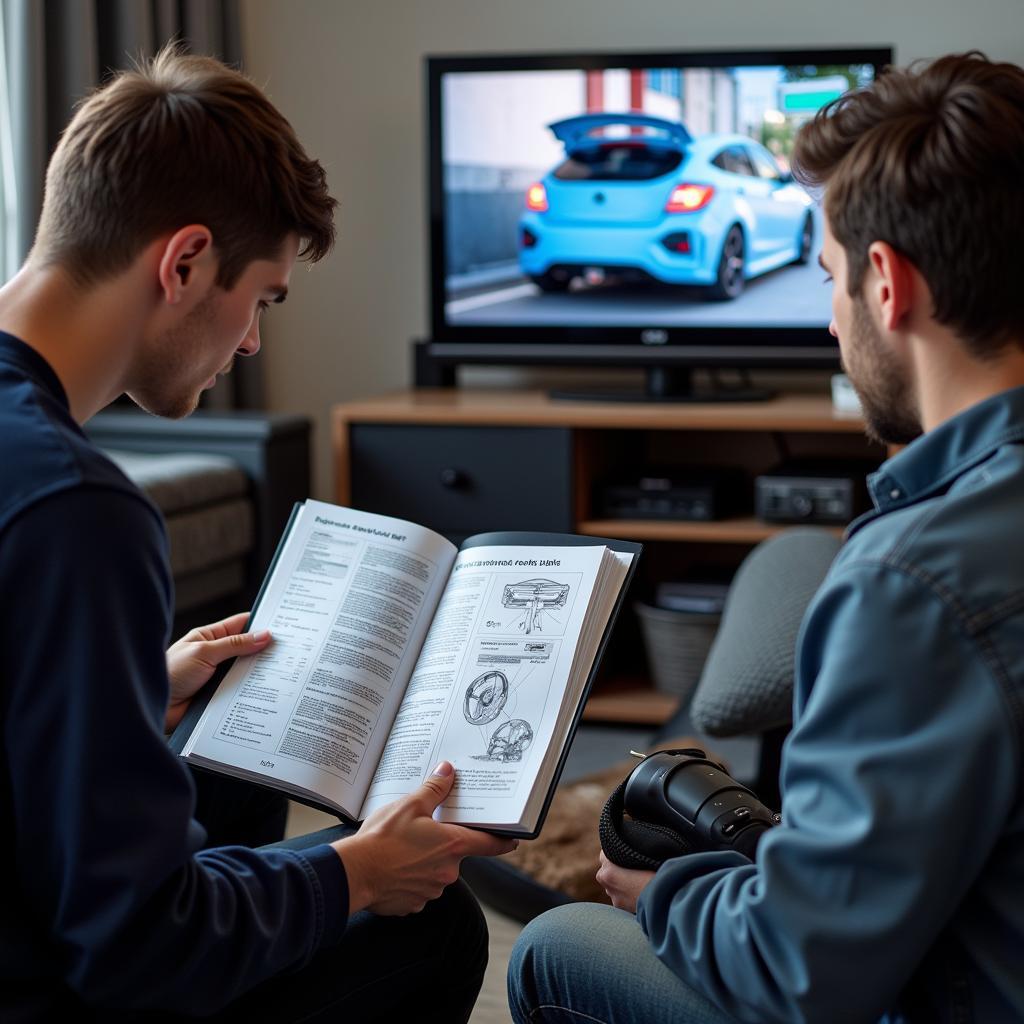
{"x":225,"y":483}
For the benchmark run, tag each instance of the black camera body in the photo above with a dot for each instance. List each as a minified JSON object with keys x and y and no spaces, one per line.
{"x":676,"y":802}
{"x":685,"y":790}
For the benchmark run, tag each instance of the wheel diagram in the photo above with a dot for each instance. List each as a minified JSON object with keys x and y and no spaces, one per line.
{"x":509,"y":741}
{"x":485,"y":697}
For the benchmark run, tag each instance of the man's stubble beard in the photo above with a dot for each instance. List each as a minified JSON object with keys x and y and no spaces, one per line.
{"x":165,"y":371}
{"x":886,"y":396}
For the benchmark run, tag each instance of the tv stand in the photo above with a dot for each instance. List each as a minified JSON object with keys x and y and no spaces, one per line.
{"x":671,"y":384}
{"x":464,"y":460}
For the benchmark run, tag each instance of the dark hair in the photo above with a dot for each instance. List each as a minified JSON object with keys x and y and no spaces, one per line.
{"x":180,"y":140}
{"x":931,"y":160}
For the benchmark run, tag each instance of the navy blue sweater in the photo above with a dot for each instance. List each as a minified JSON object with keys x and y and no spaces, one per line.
{"x":106,"y":899}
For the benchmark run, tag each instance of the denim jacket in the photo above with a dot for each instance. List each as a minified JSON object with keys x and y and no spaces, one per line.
{"x":895,"y":887}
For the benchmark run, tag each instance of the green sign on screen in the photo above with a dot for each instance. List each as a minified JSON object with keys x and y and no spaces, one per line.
{"x":802,"y":101}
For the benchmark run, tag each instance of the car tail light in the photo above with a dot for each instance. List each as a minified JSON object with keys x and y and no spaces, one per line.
{"x":527,"y":239}
{"x":537,"y":198}
{"x":687,"y":198}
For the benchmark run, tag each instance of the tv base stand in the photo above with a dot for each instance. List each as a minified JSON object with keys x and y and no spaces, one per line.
{"x":668,"y":373}
{"x":672,"y":384}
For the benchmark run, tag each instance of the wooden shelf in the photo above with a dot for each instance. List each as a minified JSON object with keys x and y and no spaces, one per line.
{"x":797,"y":413}
{"x":744,"y":530}
{"x":630,"y":707}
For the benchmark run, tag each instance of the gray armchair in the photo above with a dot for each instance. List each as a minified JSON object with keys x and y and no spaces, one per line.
{"x":746,"y":685}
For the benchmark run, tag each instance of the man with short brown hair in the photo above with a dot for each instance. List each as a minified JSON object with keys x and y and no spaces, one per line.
{"x":894,"y":887}
{"x":176,"y":205}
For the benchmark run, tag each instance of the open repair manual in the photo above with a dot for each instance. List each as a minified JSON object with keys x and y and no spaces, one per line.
{"x":394,"y":650}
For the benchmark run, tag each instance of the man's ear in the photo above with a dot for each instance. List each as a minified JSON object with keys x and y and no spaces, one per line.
{"x":187,"y":264}
{"x":891,"y":282}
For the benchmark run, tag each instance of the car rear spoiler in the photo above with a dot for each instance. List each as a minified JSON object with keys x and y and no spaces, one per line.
{"x":573,"y":131}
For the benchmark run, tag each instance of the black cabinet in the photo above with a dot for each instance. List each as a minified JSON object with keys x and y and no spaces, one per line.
{"x":461,"y":481}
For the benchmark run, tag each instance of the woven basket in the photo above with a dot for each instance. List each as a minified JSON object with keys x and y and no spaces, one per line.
{"x":677,"y":646}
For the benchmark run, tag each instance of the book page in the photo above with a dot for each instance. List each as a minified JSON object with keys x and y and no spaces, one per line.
{"x":349,"y":603}
{"x":488,"y":687}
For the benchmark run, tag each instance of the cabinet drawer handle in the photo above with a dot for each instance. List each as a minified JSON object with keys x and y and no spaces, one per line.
{"x":454,"y":478}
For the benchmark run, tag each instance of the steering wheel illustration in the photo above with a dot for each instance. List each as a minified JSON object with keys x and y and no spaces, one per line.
{"x":485,"y":697}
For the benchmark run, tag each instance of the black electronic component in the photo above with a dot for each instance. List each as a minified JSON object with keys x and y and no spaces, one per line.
{"x":703,"y":495}
{"x":812,"y":492}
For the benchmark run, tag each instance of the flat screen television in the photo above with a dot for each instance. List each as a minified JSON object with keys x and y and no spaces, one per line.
{"x":629,"y":209}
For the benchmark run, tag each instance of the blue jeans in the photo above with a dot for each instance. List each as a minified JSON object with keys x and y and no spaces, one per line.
{"x":590,"y":964}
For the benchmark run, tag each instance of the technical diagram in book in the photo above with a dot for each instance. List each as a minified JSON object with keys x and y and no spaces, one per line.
{"x":531,"y":606}
{"x":500,"y":704}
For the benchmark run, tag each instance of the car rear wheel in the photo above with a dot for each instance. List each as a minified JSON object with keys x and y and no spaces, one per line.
{"x":806,"y":241}
{"x":547,"y":282}
{"x":731,"y":267}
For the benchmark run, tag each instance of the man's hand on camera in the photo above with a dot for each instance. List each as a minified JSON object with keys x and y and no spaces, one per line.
{"x":192,"y":660}
{"x":622,"y":884}
{"x":401,"y":858}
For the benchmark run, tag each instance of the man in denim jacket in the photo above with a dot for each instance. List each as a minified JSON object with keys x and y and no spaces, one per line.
{"x":895,"y":886}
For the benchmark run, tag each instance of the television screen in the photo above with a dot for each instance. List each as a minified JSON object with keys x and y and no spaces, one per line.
{"x":609,"y":197}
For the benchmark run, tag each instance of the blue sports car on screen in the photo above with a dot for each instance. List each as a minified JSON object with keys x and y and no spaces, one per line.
{"x":639,"y":198}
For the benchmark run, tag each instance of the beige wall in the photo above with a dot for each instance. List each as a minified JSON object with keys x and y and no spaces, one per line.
{"x":348,"y":74}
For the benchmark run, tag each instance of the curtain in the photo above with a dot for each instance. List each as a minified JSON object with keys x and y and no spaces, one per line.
{"x":54,"y":52}
{"x":10,"y":242}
